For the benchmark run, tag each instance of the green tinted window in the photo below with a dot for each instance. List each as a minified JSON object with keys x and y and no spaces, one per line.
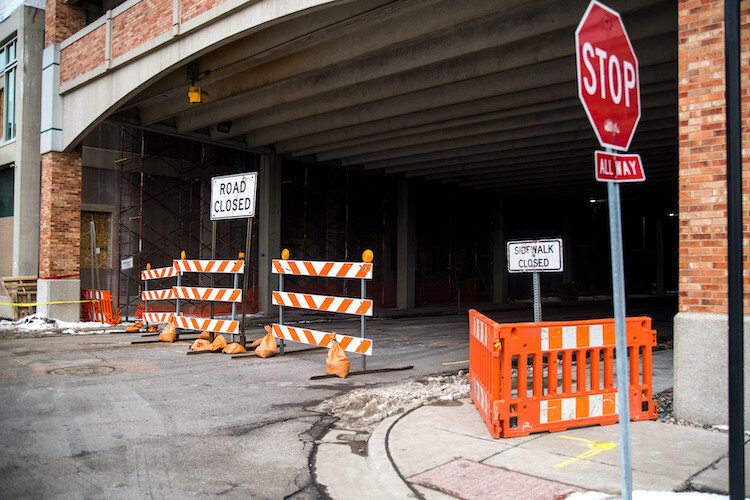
{"x":6,"y":192}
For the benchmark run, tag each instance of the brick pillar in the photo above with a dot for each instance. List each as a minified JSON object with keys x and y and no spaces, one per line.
{"x":700,"y":379}
{"x":61,"y":21}
{"x":60,"y":214}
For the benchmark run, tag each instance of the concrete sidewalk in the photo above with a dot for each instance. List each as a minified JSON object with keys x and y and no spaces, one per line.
{"x":444,"y":450}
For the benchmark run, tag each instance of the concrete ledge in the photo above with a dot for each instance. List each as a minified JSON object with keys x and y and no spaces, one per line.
{"x":5,"y":311}
{"x":700,"y":368}
{"x":55,"y":291}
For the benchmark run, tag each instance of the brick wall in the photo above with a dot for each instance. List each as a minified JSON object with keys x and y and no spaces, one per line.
{"x":192,"y":8}
{"x":144,"y":21}
{"x":60,"y":214}
{"x":61,"y":21}
{"x":83,"y":55}
{"x":702,"y":169}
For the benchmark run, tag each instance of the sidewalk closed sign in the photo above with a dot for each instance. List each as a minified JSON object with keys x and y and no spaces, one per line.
{"x":233,"y":196}
{"x":534,"y":256}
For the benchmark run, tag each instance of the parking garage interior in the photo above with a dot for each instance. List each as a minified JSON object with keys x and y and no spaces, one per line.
{"x":436,"y":141}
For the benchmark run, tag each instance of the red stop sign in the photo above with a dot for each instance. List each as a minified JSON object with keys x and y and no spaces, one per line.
{"x":607,"y":70}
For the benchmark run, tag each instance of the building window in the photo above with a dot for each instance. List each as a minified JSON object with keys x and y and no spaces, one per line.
{"x":6,"y":191}
{"x":8,"y":65}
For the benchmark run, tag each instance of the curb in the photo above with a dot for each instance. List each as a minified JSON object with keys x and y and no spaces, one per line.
{"x":378,"y":457}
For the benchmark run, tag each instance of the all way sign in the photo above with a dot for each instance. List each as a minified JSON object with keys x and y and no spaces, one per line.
{"x":614,"y":167}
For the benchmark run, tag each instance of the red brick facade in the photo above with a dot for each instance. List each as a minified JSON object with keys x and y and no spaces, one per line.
{"x":61,"y":21}
{"x":192,"y":8}
{"x":60,"y":214}
{"x":702,"y":169}
{"x":142,"y":22}
{"x":83,"y":55}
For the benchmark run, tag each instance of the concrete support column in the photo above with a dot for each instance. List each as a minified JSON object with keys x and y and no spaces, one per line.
{"x":269,"y":228}
{"x":406,"y":245}
{"x":60,"y":233}
{"x":700,"y":327}
{"x":26,"y":176}
{"x":499,"y":267}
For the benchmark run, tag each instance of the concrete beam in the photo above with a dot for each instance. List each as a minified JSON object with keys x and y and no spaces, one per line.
{"x":329,"y":52}
{"x":292,"y":35}
{"x":495,"y":61}
{"x":526,"y":126}
{"x":561,"y":110}
{"x":553,"y":173}
{"x":544,"y":75}
{"x":559,"y":164}
{"x":483,"y":49}
{"x":470,"y":161}
{"x":513,"y":139}
{"x":563,"y":142}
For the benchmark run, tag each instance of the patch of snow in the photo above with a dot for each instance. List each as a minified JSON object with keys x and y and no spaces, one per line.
{"x":365,"y":408}
{"x":648,"y":495}
{"x":725,"y":428}
{"x":38,"y":325}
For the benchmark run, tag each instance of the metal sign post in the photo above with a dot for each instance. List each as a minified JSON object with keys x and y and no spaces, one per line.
{"x":611,"y":99}
{"x":621,"y":345}
{"x":535,"y":257}
{"x":233,"y":197}
{"x":537,"y":297}
{"x":126,"y":264}
{"x":735,"y":290}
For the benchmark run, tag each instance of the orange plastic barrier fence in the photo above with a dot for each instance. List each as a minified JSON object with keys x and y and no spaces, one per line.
{"x":555,"y":375}
{"x":102,"y":303}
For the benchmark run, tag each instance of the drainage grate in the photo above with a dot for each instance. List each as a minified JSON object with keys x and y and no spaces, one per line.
{"x":83,"y":370}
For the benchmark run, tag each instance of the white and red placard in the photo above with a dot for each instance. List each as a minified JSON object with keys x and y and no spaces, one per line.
{"x":616,"y":167}
{"x":233,"y":196}
{"x":607,"y":72}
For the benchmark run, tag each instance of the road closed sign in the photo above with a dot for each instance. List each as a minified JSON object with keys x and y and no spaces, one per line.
{"x":233,"y":196}
{"x":535,"y":256}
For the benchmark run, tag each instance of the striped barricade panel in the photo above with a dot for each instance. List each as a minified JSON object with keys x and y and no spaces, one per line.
{"x":158,"y":273}
{"x":165,"y":294}
{"x":580,"y":407}
{"x":323,"y":303}
{"x":207,"y":324}
{"x":157,"y":317}
{"x":322,"y":339}
{"x":208,"y":294}
{"x":210,"y":266}
{"x":323,"y":269}
{"x":577,"y":336}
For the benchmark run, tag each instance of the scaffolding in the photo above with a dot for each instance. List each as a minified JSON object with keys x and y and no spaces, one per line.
{"x":164,"y":206}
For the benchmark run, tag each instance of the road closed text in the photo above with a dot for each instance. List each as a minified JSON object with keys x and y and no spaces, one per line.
{"x":233,"y":196}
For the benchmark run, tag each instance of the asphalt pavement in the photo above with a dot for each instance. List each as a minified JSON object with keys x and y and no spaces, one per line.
{"x":96,"y":416}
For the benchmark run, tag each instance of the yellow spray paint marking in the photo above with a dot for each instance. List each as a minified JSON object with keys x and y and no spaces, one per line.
{"x":594,"y":449}
{"x":456,"y":362}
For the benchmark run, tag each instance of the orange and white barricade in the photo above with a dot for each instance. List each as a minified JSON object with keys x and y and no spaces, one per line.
{"x":556,"y":375}
{"x":232,"y":295}
{"x":361,"y":306}
{"x":164,"y":294}
{"x":97,"y":306}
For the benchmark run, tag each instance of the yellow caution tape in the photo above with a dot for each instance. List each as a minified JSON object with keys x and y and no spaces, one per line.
{"x":30,"y":304}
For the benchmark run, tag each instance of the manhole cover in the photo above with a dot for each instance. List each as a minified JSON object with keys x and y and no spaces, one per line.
{"x":85,"y":370}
